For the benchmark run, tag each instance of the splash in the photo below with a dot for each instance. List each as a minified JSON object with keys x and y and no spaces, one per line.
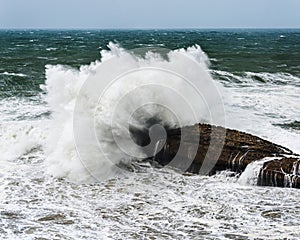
{"x":94,"y":107}
{"x":251,"y":174}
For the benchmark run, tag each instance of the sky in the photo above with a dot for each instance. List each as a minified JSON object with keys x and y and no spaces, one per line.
{"x":143,"y":14}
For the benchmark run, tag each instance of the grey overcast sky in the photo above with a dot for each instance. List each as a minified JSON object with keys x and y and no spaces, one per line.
{"x":149,"y":14}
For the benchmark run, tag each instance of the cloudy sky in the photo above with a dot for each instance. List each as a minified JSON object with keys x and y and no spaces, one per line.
{"x":149,"y":14}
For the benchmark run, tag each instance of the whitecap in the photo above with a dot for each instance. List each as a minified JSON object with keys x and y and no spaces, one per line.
{"x":14,"y":74}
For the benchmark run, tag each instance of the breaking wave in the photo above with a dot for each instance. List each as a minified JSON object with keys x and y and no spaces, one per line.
{"x":279,"y":78}
{"x":95,"y":106}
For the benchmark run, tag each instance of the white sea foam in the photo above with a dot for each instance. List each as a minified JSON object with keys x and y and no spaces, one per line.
{"x":21,"y":127}
{"x":13,"y":74}
{"x":257,"y":78}
{"x":258,"y":107}
{"x":179,"y":91}
{"x":251,"y":173}
{"x":17,"y":138}
{"x":14,"y":108}
{"x":252,"y":109}
{"x":156,"y":203}
{"x":51,"y":49}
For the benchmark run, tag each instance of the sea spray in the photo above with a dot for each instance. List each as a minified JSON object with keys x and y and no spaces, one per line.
{"x":93,"y":107}
{"x":251,"y":173}
{"x":154,"y":203}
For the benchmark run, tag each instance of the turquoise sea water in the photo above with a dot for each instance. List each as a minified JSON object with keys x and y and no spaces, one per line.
{"x":259,"y":76}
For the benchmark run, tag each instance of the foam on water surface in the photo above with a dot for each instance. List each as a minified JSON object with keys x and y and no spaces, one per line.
{"x":146,"y":203}
{"x":152,"y":88}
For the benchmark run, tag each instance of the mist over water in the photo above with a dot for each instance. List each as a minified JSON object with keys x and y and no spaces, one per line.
{"x":48,"y":77}
{"x":124,"y":90}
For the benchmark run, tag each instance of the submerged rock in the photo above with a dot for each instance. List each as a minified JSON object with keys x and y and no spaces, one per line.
{"x":218,"y":148}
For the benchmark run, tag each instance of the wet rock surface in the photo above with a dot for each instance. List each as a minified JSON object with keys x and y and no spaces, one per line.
{"x":217,"y":148}
{"x":283,"y":172}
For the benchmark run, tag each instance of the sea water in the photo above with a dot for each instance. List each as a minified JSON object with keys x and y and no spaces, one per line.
{"x":50,"y":191}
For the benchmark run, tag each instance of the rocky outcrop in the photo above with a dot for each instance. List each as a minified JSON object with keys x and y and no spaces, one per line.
{"x":281,"y":172}
{"x":217,"y":149}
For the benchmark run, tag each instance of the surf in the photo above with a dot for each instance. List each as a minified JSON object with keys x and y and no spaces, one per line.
{"x":93,"y":107}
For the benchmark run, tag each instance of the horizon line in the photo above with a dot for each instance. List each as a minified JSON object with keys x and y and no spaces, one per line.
{"x":142,"y":28}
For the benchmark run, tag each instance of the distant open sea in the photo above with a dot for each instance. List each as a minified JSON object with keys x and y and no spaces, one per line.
{"x":46,"y":194}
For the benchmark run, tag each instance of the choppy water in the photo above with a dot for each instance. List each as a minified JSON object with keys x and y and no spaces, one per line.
{"x":259,"y":76}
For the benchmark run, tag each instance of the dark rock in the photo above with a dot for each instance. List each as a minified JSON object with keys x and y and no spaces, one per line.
{"x":52,"y":217}
{"x":217,"y":149}
{"x":282,"y":172}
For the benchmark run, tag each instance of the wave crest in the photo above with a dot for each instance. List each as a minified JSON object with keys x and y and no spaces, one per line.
{"x":90,"y":111}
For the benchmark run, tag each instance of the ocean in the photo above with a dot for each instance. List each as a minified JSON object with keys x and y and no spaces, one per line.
{"x":68,"y":167}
